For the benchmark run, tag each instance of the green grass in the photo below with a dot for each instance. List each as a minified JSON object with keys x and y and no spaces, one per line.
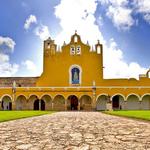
{"x":13,"y":115}
{"x":138,"y":114}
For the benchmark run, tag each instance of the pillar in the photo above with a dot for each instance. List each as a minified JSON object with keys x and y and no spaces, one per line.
{"x":65,"y":105}
{"x":79,"y":105}
{"x":140,"y":105}
{"x":94,"y":101}
{"x":39,"y":104}
{"x":52,"y":105}
{"x":125,"y":105}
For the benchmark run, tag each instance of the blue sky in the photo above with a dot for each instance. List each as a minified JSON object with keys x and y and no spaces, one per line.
{"x":123,"y":26}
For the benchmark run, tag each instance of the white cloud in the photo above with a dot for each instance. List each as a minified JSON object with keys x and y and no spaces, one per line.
{"x":147,"y":17}
{"x":119,"y":12}
{"x":7,"y":44}
{"x":121,"y":17}
{"x":42,"y":32}
{"x":116,"y":66}
{"x":6,"y":68}
{"x":143,"y":7}
{"x":79,"y":15}
{"x":29,"y":65}
{"x":30,"y":20}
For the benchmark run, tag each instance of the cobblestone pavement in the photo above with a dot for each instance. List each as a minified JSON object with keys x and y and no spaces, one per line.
{"x":75,"y":131}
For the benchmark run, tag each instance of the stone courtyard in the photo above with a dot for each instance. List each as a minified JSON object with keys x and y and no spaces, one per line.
{"x":75,"y":131}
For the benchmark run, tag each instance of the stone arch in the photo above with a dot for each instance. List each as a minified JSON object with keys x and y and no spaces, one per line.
{"x":21,"y":102}
{"x":118,"y":101}
{"x":6,"y":102}
{"x":72,"y":102}
{"x":85,"y":102}
{"x":59,"y":102}
{"x":22,"y":95}
{"x":133,"y":102}
{"x":145,"y":101}
{"x":31,"y":100}
{"x":134,"y":95}
{"x":48,"y":101}
{"x":101,"y":102}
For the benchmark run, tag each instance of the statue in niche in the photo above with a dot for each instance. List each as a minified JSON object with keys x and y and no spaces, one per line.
{"x":75,"y":76}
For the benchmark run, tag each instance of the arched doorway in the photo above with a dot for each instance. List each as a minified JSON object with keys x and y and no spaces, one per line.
{"x":101,"y":102}
{"x":42,"y":105}
{"x":6,"y":103}
{"x":118,"y":102}
{"x":115,"y":102}
{"x":39,"y":105}
{"x":133,"y":102}
{"x":145,"y":103}
{"x":36,"y":104}
{"x":21,"y":102}
{"x":59,"y":103}
{"x":73,"y":102}
{"x":48,"y":102}
{"x":85,"y":102}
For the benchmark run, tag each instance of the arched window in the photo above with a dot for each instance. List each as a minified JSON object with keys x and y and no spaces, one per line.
{"x":75,"y":75}
{"x":75,"y":39}
{"x":98,"y":49}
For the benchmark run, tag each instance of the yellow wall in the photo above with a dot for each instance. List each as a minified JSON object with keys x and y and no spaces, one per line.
{"x":56,"y":65}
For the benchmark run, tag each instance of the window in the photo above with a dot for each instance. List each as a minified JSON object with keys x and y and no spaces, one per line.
{"x":48,"y":45}
{"x":98,"y":49}
{"x":75,"y":39}
{"x":72,"y":50}
{"x":75,"y":75}
{"x":78,"y":50}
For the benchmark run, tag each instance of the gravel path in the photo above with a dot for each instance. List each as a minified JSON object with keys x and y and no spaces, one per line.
{"x":75,"y":131}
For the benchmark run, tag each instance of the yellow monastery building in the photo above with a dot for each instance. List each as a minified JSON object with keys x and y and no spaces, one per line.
{"x":72,"y":79}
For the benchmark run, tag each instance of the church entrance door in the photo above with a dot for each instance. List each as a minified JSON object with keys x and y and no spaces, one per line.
{"x":74,"y":102}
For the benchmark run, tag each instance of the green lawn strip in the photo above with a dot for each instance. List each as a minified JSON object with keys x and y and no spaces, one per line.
{"x":137,"y":114}
{"x":13,"y":115}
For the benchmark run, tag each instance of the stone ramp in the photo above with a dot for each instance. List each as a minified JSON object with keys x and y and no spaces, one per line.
{"x":75,"y":131}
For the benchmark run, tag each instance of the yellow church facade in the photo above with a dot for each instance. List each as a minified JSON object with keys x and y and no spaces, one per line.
{"x":72,"y":79}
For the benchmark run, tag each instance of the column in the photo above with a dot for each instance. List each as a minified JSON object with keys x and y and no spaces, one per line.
{"x":94,"y":101}
{"x":39,"y":104}
{"x":52,"y":105}
{"x":79,"y":105}
{"x":125,"y":105}
{"x":65,"y":105}
{"x":140,"y":107}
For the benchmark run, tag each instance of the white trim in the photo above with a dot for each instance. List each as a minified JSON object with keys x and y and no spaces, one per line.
{"x":119,"y":94}
{"x":33,"y":95}
{"x":134,"y":95}
{"x":59,"y":95}
{"x":46,"y":95}
{"x":85,"y":95}
{"x":70,"y":75}
{"x":22,"y":95}
{"x":146,"y":94}
{"x":6,"y":95}
{"x":103,"y":94}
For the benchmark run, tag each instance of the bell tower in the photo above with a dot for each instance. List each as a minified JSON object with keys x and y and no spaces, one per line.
{"x":49,"y":51}
{"x":49,"y":47}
